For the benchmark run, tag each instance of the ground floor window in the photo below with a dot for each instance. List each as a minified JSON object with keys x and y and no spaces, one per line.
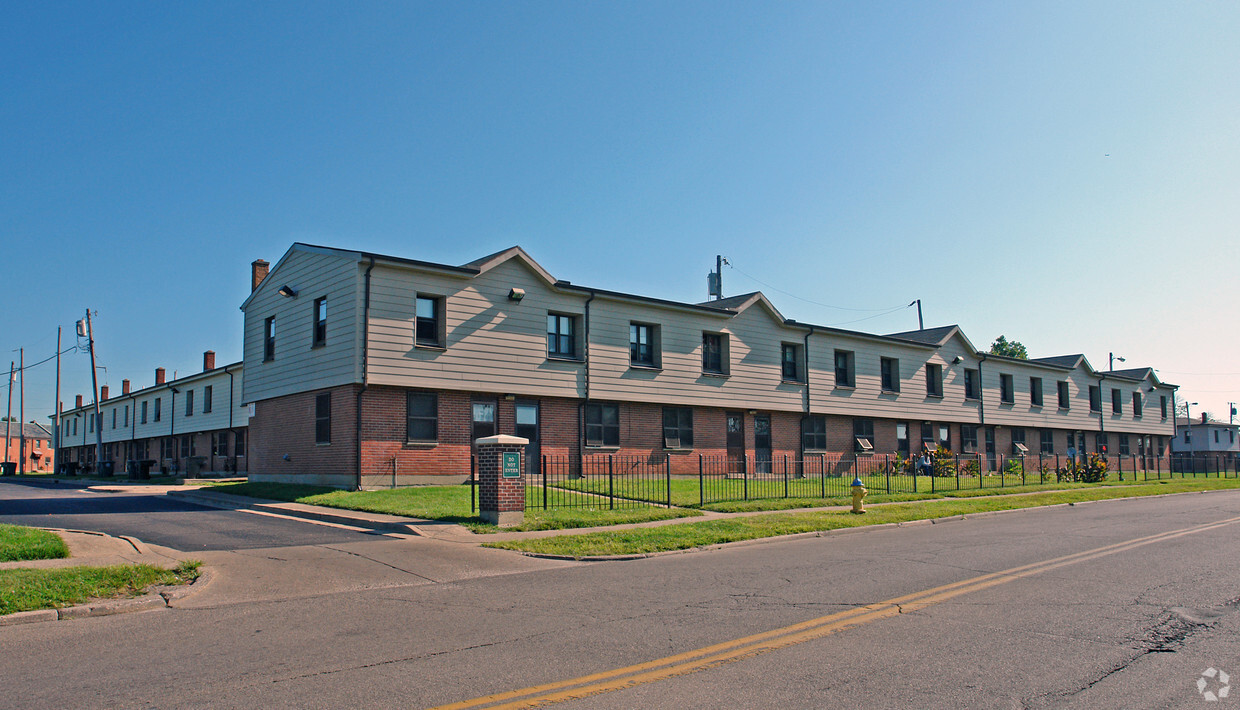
{"x":677,"y":428}
{"x":814,"y":434}
{"x":421,"y":417}
{"x":602,"y":424}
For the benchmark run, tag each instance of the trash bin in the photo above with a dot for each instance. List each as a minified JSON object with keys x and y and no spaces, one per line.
{"x":107,"y":468}
{"x":8,"y":468}
{"x":144,"y":469}
{"x":69,"y":468}
{"x":195,"y":465}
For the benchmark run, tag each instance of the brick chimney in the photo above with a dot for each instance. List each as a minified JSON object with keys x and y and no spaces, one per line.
{"x":159,"y":375}
{"x":1203,"y":417}
{"x":208,"y":361}
{"x":258,"y":272}
{"x":77,"y":402}
{"x":124,"y":386}
{"x":103,"y":393}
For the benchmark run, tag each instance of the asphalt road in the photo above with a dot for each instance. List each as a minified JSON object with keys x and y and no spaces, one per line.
{"x":1117,"y":604}
{"x":157,"y":519}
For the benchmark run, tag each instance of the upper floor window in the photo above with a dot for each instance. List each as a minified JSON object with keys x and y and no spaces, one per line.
{"x":602,"y":424}
{"x":1117,"y":402}
{"x":934,"y":380}
{"x":113,"y":417}
{"x":677,"y":428}
{"x":790,"y":362}
{"x":845,"y":370}
{"x":972,"y":385}
{"x":1162,"y":403}
{"x":1095,"y":398}
{"x":206,"y":399}
{"x":158,"y":413}
{"x":814,"y":433}
{"x":1138,"y":406}
{"x":1007,"y":394}
{"x":714,"y":353}
{"x":889,"y":369}
{"x":561,"y":339}
{"x":1035,"y":391}
{"x":269,"y":339}
{"x":643,"y":345}
{"x":144,"y":408}
{"x":428,"y":319}
{"x":320,"y":322}
{"x":189,"y":403}
{"x":1063,"y":395}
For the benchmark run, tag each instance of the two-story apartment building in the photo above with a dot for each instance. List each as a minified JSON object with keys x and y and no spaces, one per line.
{"x":36,"y":456}
{"x":372,"y":370}
{"x":196,"y":424}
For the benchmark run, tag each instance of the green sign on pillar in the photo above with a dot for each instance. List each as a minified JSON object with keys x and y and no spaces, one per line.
{"x":510,"y":464}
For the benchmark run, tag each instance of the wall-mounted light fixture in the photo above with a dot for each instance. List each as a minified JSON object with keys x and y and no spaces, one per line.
{"x":516,"y":294}
{"x":753,"y":411}
{"x":287,"y":291}
{"x":509,"y":397}
{"x":958,"y":360}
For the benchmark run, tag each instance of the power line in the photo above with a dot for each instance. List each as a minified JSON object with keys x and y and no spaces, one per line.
{"x":34,"y":365}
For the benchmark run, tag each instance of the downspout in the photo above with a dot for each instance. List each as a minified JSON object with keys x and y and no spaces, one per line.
{"x":357,"y":415}
{"x":981,"y":397}
{"x":230,"y":420}
{"x":133,"y":423}
{"x":1102,"y":416}
{"x":807,"y":398}
{"x":581,"y":408}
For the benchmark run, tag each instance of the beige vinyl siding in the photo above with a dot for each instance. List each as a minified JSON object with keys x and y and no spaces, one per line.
{"x":493,"y":344}
{"x":866,"y":398}
{"x":754,"y":338}
{"x":297,"y":366}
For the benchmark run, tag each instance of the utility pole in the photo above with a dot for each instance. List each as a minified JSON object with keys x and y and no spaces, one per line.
{"x":8,"y":418}
{"x":56,"y":420}
{"x":1231,"y":411}
{"x":21,"y":409}
{"x":94,"y":383}
{"x":920,"y":323}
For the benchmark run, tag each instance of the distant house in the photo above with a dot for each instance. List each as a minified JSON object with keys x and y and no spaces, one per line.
{"x":37,"y":456}
{"x":1205,"y":436}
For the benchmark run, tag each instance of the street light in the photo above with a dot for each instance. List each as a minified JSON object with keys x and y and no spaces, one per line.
{"x":1111,"y":360}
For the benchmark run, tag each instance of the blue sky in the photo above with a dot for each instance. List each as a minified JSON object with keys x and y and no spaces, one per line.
{"x":1065,"y":174}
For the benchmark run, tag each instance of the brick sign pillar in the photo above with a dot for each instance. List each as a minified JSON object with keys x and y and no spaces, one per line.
{"x":501,"y":486}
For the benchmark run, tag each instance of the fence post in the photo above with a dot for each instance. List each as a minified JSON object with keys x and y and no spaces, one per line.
{"x":785,"y":475}
{"x":667,"y":463}
{"x":544,"y":480}
{"x":701,"y":482}
{"x":611,"y":482}
{"x":887,"y":475}
{"x":822,"y":478}
{"x":473,"y":485}
{"x":745,"y":478}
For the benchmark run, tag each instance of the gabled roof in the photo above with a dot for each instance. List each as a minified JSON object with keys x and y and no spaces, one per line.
{"x":490,"y":261}
{"x":1065,"y":361}
{"x":738,"y":304}
{"x":932,"y":336}
{"x":32,"y":430}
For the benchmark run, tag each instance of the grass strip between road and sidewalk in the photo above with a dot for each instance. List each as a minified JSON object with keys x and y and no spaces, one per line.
{"x":451,"y":504}
{"x":31,"y":589}
{"x":19,"y":544}
{"x":683,"y":536}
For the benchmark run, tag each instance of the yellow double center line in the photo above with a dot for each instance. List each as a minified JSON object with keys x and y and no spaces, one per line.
{"x":736,"y":649}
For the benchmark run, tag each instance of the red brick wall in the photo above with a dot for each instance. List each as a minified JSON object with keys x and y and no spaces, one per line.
{"x":285,"y":426}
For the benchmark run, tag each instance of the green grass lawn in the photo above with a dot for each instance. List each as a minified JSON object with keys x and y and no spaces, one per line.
{"x":451,"y":504}
{"x":31,"y":589}
{"x":20,"y":544}
{"x":697,"y":534}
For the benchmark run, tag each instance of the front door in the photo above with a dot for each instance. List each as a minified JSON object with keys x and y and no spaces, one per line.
{"x":990,"y":448}
{"x":527,"y":428}
{"x":762,"y":443}
{"x":736,"y":442}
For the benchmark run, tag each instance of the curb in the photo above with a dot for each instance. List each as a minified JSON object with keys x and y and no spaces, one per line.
{"x":837,"y":531}
{"x":159,"y":598}
{"x":224,"y":501}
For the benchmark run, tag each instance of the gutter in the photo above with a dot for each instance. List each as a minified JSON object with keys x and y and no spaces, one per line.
{"x":357,"y":415}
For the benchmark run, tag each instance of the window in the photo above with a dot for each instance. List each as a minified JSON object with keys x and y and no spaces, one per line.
{"x":902,"y":445}
{"x":968,"y":438}
{"x":1162,"y":403}
{"x":1216,"y":436}
{"x":75,"y":421}
{"x":1063,"y":395}
{"x":1117,"y":401}
{"x":1138,"y":407}
{"x":714,"y":353}
{"x":144,"y":406}
{"x":189,"y":403}
{"x":1035,"y":391}
{"x":91,"y":424}
{"x":269,"y":339}
{"x":323,"y":418}
{"x":863,"y":435}
{"x":927,"y":436}
{"x":1100,"y":443}
{"x":560,"y":340}
{"x":1124,"y":445}
{"x":113,"y":417}
{"x":421,"y":416}
{"x":1018,"y":442}
{"x":845,"y":369}
{"x":206,"y":399}
{"x":934,"y":380}
{"x":126,"y":415}
{"x":428,"y":321}
{"x":642,"y":345}
{"x":239,"y":443}
{"x":483,"y":418}
{"x":790,"y":362}
{"x":602,"y":424}
{"x":1188,"y":436}
{"x":814,"y":433}
{"x":219,"y":444}
{"x":1095,"y":398}
{"x":186,"y":446}
{"x":1048,"y":441}
{"x":972,"y":385}
{"x":319,"y":337}
{"x":1007,"y":394}
{"x":945,"y":436}
{"x":677,"y":428}
{"x":158,"y":401}
{"x":889,"y":368}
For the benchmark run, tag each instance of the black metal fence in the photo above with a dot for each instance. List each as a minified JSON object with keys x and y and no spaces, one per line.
{"x":610,"y":481}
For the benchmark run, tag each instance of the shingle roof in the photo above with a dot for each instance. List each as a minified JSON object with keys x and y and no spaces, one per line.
{"x":33,"y":430}
{"x":1059,"y":360}
{"x":932,"y":336}
{"x":730,"y":301}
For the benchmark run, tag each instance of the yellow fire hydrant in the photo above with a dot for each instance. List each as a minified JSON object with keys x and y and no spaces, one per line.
{"x":858,"y":494}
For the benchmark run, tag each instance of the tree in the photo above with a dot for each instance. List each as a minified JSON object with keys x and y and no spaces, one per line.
{"x":1013,"y":348}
